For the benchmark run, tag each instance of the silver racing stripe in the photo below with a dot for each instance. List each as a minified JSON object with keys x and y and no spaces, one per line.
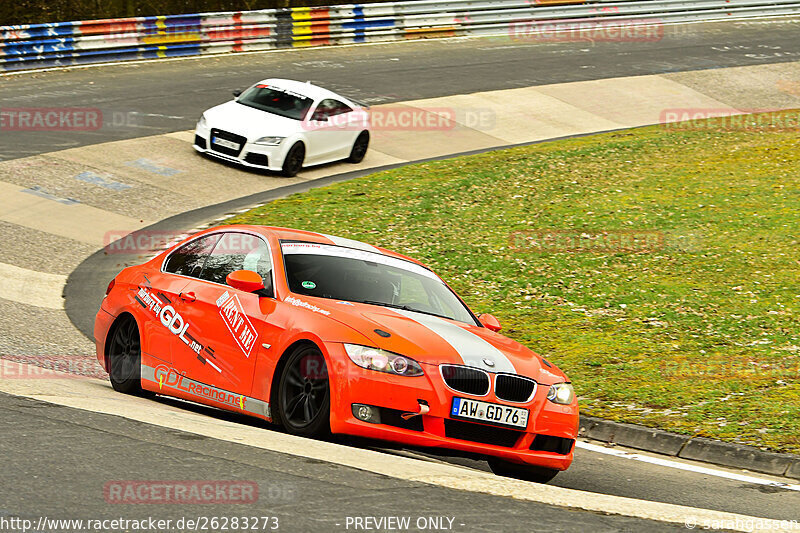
{"x":472,"y":349}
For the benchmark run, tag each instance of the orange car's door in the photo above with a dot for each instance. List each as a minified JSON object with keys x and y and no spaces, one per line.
{"x":230,"y":323}
{"x":155,"y":293}
{"x":165,"y":332}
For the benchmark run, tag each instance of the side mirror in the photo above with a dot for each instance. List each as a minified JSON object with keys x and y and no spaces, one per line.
{"x":237,"y":93}
{"x":490,"y":321}
{"x":245,"y":280}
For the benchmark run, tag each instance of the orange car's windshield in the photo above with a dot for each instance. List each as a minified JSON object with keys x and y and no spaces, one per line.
{"x":351,"y":275}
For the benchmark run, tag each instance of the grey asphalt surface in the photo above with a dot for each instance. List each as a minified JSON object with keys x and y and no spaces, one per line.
{"x":76,"y":452}
{"x":158,"y":97}
{"x":47,"y":448}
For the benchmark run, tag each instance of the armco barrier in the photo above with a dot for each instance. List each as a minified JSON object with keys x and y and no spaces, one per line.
{"x":33,"y":46}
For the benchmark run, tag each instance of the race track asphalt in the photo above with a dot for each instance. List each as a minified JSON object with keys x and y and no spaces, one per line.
{"x":158,"y":97}
{"x":56,"y":459}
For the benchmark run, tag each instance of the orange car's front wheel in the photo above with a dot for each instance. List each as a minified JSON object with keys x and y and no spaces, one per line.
{"x":304,"y":394}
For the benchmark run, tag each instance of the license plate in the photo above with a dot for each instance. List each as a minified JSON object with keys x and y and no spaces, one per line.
{"x":225,"y":143}
{"x":491,"y":413}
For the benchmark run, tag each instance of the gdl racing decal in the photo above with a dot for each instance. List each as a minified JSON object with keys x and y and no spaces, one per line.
{"x":169,"y":318}
{"x":166,"y":376}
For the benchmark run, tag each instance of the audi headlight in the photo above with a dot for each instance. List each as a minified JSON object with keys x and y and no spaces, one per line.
{"x":270,"y":141}
{"x":202,"y":123}
{"x":382,"y":361}
{"x":561,"y":393}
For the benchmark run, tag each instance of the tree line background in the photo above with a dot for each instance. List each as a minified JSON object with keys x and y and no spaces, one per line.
{"x":32,"y":11}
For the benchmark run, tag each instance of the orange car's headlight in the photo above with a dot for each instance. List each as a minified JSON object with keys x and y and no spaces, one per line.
{"x":382,"y":361}
{"x":561,"y":393}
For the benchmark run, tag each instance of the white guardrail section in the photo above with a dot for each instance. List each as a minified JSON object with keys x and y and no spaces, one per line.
{"x":32,"y":46}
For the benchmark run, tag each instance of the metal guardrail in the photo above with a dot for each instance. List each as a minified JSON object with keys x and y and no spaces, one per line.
{"x":33,"y":46}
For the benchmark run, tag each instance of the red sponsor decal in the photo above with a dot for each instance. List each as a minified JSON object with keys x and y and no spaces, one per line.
{"x":232,"y":313}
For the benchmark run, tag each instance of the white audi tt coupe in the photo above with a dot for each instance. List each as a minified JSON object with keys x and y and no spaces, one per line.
{"x":284,"y":125}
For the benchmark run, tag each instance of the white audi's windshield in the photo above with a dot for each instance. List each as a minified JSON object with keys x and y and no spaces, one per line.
{"x":277,"y":101}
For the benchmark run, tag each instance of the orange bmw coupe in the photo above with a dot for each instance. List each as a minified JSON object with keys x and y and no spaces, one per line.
{"x":324,"y":334}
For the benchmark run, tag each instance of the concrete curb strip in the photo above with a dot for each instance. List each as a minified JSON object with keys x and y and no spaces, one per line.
{"x":737,"y":455}
{"x":696,"y":449}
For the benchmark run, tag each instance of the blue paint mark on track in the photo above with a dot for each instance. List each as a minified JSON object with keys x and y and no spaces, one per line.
{"x":95,"y":179}
{"x":38,"y":191}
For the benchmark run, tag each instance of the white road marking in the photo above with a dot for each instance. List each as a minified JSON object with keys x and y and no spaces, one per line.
{"x":156,"y":115}
{"x":689,"y":467}
{"x":31,"y":287}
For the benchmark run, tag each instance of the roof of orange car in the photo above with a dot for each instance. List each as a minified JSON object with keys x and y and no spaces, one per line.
{"x":289,"y":234}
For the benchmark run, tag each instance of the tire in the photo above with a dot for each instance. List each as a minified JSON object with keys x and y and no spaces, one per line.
{"x":537,"y":474}
{"x":303,"y":402}
{"x":125,"y":357}
{"x":359,"y":149}
{"x":293,"y":162}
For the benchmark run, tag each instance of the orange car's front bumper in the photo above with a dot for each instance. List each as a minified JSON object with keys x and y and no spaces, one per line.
{"x":555,"y":425}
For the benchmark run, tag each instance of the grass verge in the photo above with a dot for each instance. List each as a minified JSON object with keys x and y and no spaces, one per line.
{"x":657,"y":266}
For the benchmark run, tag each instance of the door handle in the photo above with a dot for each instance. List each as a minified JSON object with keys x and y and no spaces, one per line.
{"x":188,"y":296}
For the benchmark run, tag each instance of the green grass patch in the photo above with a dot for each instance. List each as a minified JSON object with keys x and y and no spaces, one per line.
{"x":695,"y":331}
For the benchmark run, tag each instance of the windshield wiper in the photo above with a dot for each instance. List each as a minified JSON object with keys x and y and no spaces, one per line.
{"x":403,"y":307}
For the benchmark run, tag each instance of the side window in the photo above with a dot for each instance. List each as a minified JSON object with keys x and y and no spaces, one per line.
{"x":238,"y":251}
{"x":339,"y":108}
{"x":330,"y":108}
{"x":188,"y":260}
